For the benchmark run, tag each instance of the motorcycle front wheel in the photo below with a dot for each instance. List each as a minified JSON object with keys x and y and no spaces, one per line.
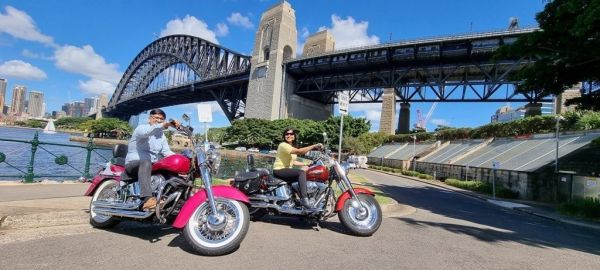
{"x":107,"y":191}
{"x":213,"y":235}
{"x":361,"y":221}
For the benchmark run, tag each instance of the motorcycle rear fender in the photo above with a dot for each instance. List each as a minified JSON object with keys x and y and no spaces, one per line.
{"x":99,"y":179}
{"x":342,"y":199}
{"x":200,"y":197}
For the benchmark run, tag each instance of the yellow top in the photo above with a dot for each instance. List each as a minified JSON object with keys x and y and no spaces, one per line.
{"x":284,"y":157}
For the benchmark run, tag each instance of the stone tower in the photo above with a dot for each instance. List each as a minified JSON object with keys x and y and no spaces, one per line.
{"x":388,"y":112}
{"x":275,"y":41}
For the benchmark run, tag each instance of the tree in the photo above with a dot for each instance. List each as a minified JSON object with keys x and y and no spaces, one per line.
{"x":70,"y":122}
{"x":566,"y":50}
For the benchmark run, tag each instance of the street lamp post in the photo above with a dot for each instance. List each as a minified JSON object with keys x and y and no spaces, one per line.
{"x":558,"y":118}
{"x":414,"y":152}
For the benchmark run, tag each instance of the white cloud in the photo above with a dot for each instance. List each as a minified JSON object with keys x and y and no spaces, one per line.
{"x":84,"y":60}
{"x":189,"y":25}
{"x":304,"y":33}
{"x":30,"y":54}
{"x":20,"y":25}
{"x":97,"y":87}
{"x":238,"y":19}
{"x":371,"y":111}
{"x":222,"y":30}
{"x":440,"y":122}
{"x":21,"y":70}
{"x":348,"y":33}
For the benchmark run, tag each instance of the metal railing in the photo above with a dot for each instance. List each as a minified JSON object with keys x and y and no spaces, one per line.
{"x":28,"y":173}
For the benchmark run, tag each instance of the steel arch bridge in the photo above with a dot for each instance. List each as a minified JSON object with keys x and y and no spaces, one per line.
{"x":457,"y":68}
{"x":182,"y":69}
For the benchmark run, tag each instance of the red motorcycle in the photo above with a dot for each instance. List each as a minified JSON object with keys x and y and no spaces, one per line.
{"x":356,"y":208}
{"x":214,"y":219}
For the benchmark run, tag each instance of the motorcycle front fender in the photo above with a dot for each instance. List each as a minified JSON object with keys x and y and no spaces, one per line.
{"x":200,"y":197}
{"x":346,"y":195}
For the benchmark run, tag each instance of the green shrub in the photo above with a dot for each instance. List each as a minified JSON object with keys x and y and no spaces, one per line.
{"x":587,"y":208}
{"x":425,"y":176}
{"x":482,"y":187}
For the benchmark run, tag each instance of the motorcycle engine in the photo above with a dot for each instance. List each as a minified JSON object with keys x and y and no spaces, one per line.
{"x":156,"y":181}
{"x":312,"y":188}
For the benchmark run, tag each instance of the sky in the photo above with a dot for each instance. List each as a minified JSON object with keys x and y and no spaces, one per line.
{"x":73,"y":49}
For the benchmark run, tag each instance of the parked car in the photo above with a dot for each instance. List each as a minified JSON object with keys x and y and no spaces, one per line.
{"x":253,"y":150}
{"x":273,"y":152}
{"x":240,"y":148}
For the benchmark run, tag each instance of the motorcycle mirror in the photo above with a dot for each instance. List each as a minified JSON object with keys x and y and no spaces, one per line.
{"x":185,"y":117}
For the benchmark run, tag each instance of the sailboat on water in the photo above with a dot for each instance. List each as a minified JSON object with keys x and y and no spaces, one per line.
{"x":50,"y":129}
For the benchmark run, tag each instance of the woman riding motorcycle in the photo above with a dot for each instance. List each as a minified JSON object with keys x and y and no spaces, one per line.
{"x":286,"y":159}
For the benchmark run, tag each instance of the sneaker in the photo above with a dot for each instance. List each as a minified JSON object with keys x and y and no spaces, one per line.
{"x":149,"y":203}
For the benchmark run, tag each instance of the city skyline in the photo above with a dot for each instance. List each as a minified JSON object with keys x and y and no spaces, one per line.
{"x":32,"y":103}
{"x":73,"y":62}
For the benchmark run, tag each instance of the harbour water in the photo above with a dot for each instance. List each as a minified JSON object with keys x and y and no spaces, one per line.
{"x":18,"y":155}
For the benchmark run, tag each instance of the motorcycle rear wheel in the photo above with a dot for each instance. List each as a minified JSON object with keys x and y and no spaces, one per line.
{"x":365,"y":224}
{"x":106,"y":191}
{"x":218,"y":240}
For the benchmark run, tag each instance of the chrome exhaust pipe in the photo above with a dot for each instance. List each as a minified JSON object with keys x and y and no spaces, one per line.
{"x":280,"y":209}
{"x":122,"y":213}
{"x":116,"y":205}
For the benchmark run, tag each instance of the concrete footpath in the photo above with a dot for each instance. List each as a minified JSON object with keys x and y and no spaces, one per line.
{"x":42,"y":204}
{"x":529,"y":207}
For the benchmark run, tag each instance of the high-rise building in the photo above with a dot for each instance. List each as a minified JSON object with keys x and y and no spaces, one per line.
{"x":18,"y":100}
{"x":90,"y":105}
{"x":79,"y":109}
{"x":35,"y":107}
{"x":2,"y":95}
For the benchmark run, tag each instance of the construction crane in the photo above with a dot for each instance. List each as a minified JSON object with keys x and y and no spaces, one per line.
{"x":421,"y":123}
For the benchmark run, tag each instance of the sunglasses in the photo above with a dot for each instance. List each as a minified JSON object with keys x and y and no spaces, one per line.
{"x":289,"y":134}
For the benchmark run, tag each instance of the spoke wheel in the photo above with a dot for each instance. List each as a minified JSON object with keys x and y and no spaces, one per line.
{"x":361,"y":221}
{"x":107,"y":191}
{"x":217,"y":234}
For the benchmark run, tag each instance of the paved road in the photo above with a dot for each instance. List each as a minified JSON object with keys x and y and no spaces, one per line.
{"x":448,"y":230}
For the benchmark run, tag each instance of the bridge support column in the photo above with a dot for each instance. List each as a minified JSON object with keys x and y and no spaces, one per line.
{"x":388,"y":112}
{"x":404,"y":118}
{"x":533,"y":109}
{"x":275,"y":41}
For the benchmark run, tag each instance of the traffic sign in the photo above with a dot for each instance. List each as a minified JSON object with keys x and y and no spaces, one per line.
{"x":204,"y":112}
{"x":343,"y":101}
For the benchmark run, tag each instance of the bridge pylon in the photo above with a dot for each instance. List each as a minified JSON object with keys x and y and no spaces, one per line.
{"x":270,"y":89}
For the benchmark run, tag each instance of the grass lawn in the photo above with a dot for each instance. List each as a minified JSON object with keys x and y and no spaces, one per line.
{"x":359,"y":181}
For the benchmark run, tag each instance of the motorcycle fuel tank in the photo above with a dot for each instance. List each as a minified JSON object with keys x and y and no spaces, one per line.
{"x":174,"y":163}
{"x":317,"y":173}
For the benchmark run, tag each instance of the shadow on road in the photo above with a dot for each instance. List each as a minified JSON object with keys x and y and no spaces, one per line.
{"x":505,"y":225}
{"x":300,"y":223}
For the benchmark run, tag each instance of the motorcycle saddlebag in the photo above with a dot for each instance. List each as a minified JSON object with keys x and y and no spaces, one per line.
{"x":247,"y":182}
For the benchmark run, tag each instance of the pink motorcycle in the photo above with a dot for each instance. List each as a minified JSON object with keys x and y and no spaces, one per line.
{"x":214,"y":219}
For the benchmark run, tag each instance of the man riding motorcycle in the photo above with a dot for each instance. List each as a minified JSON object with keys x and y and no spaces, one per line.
{"x":147,"y":145}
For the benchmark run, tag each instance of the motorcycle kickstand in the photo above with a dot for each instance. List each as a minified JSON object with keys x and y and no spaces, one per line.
{"x":316,"y":225}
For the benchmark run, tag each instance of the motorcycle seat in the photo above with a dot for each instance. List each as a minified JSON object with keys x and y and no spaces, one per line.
{"x":273,"y":181}
{"x":119,"y":161}
{"x":245,"y":176}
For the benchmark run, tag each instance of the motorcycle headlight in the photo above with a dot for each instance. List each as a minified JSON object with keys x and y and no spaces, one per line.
{"x":216,"y":161}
